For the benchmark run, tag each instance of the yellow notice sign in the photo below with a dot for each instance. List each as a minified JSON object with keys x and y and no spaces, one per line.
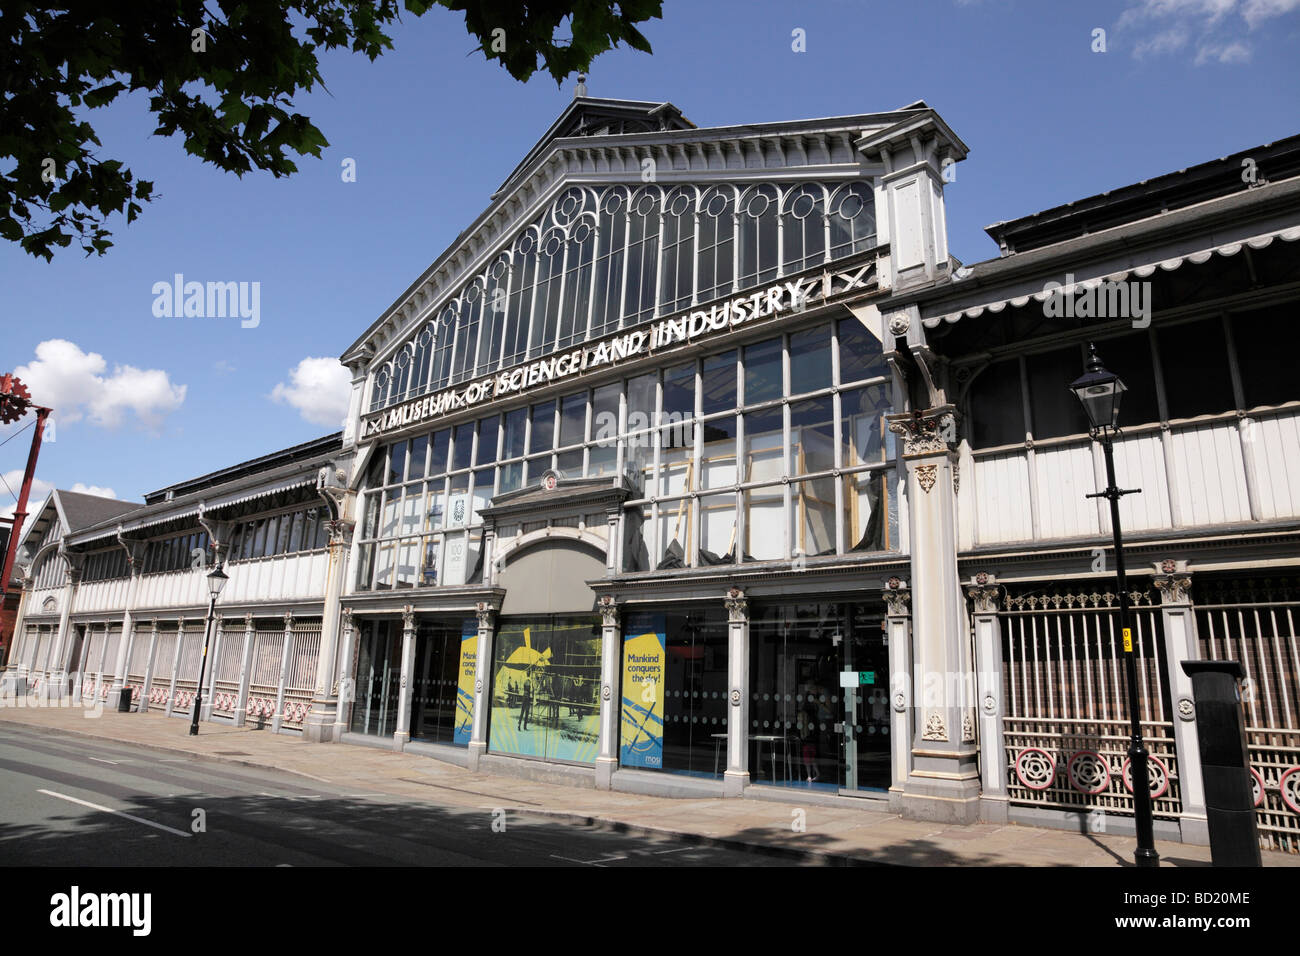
{"x":1128,"y":639}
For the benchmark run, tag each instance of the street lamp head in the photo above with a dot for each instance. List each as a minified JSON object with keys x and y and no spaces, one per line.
{"x":216,"y":581}
{"x":1099,"y":392}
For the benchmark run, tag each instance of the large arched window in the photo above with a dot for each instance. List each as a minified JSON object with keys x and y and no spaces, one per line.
{"x":757,"y":221}
{"x":715,"y":257}
{"x":803,"y":228}
{"x":598,"y":259}
{"x":677,"y":282}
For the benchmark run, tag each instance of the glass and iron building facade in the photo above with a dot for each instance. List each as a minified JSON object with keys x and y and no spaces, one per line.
{"x":698,"y":466}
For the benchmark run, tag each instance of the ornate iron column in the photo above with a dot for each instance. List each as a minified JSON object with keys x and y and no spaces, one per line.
{"x":347,"y":679}
{"x":611,"y":697}
{"x":986,"y":596}
{"x":943,"y":783}
{"x":1179,"y":623}
{"x":277,"y":721}
{"x":898,"y":629}
{"x":146,"y":686}
{"x":403,"y":732}
{"x":482,"y":683}
{"x":322,"y":719}
{"x":245,"y":673}
{"x":57,"y":666}
{"x":736,"y":777}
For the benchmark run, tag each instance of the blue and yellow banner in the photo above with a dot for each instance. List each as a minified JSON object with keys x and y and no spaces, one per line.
{"x":644,"y":671}
{"x":464,"y":725}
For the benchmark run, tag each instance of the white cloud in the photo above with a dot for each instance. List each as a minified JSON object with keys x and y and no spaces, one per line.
{"x":319,"y":388}
{"x":1234,"y":52}
{"x":75,"y":384}
{"x":36,"y":497}
{"x":1221,"y":27}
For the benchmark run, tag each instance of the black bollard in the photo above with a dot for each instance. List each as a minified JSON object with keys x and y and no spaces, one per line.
{"x":1225,"y":762}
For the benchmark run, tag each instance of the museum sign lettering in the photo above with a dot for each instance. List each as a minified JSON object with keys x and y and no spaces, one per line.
{"x":789,"y":296}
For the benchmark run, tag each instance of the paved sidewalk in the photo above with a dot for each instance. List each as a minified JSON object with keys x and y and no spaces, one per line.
{"x":832,"y":835}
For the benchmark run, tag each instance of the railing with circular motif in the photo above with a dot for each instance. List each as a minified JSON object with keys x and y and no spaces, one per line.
{"x":1083,"y":765}
{"x":1275,"y":772}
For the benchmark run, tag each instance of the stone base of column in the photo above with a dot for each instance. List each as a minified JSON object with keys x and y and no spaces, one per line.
{"x":13,"y":684}
{"x":56,"y":687}
{"x":734,"y":783}
{"x":1195,"y":829}
{"x":476,"y":750}
{"x":605,"y":767}
{"x":939,"y":799}
{"x":400,"y":740}
{"x":994,"y":809}
{"x":114,"y":698}
{"x":318,"y":727}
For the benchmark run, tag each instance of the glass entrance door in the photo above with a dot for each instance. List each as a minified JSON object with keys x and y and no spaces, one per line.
{"x":436,"y":681}
{"x":379,"y":663}
{"x":866,"y":705}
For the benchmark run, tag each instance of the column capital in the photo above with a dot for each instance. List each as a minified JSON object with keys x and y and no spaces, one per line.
{"x":609,"y":610}
{"x":484,"y":612}
{"x":897,"y":596}
{"x":345,"y":618}
{"x":926,"y":432}
{"x":248,"y":621}
{"x":985,"y":593}
{"x":408,"y":617}
{"x":1173,"y":582}
{"x":288,"y":620}
{"x":737,"y":606}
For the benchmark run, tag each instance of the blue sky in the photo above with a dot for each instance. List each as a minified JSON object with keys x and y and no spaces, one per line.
{"x":144,"y":401}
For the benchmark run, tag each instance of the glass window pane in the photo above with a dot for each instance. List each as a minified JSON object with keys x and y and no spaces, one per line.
{"x":542,"y":437}
{"x":419,"y":449}
{"x":679,"y":393}
{"x":282,"y":534}
{"x":810,"y":360}
{"x":764,"y":528}
{"x":764,"y":446}
{"x":438,"y":455}
{"x":812,"y":436}
{"x":812,"y":512}
{"x":295,"y":536}
{"x":864,"y":435}
{"x":462,"y":446}
{"x":717,"y":528}
{"x":412,"y":505}
{"x":763,"y":378}
{"x":996,"y":407}
{"x":396,"y":463}
{"x":718,"y":461}
{"x":512,"y":477}
{"x":434,"y":503}
{"x":1129,"y":357}
{"x":488,"y":429}
{"x":573,"y":419}
{"x":718,"y":382}
{"x":871,"y":506}
{"x":602,"y":459}
{"x":513,"y":442}
{"x":641,"y":393}
{"x":569,"y":463}
{"x":860,"y":352}
{"x":431,"y":552}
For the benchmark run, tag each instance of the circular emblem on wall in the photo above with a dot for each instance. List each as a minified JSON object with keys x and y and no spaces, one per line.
{"x":606,"y":693}
{"x":898,"y":323}
{"x":550,"y":479}
{"x":990,"y":705}
{"x":1168,"y":566}
{"x":735,"y":698}
{"x":900,"y":702}
{"x":982,"y":578}
{"x":1186,"y":709}
{"x":478,"y":687}
{"x":893,"y":584}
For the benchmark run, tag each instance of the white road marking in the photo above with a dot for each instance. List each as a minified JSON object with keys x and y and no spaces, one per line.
{"x":601,"y":862}
{"x":96,"y":806}
{"x":102,"y":760}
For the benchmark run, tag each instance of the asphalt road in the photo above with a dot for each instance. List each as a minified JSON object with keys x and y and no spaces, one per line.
{"x":77,"y":802}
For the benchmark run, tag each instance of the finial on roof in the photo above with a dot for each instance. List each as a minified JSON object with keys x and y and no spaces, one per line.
{"x":581,"y":88}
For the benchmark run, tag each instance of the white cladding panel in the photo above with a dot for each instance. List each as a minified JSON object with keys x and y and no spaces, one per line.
{"x":101,"y":595}
{"x":1065,"y":478}
{"x":1273,"y":444}
{"x":1209,"y":475}
{"x":284,"y":577}
{"x":1140,"y":463}
{"x":1002,"y":498}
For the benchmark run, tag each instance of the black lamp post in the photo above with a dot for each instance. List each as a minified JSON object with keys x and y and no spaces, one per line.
{"x":216,"y":581}
{"x":1099,"y":392}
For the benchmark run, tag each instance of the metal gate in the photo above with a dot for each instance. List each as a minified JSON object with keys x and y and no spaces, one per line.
{"x":1254,"y":622}
{"x":1066,"y":728}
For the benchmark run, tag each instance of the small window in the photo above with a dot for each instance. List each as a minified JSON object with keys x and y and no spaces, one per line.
{"x":1194,"y":366}
{"x":996,"y":406}
{"x":1266,"y":341}
{"x":763,"y":376}
{"x":810,"y":360}
{"x":719,"y":382}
